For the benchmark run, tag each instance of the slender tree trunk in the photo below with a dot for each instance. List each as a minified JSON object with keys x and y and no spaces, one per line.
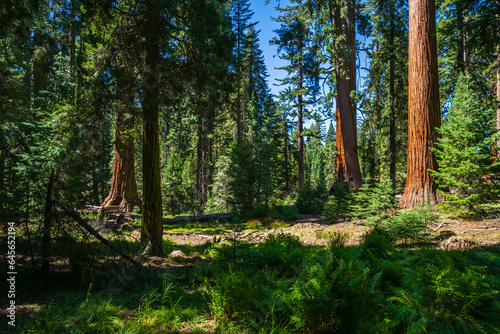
{"x":340,"y":167}
{"x":285,"y":152}
{"x":423,"y":104}
{"x":460,"y":37}
{"x":47,"y":226}
{"x":72,"y":42}
{"x":152,"y":227}
{"x":41,"y":68}
{"x":123,"y":190}
{"x":300,"y":137}
{"x":344,"y":25}
{"x":392,"y":105}
{"x":498,"y":97}
{"x":202,"y":161}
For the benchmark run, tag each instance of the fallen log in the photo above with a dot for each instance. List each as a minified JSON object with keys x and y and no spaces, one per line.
{"x":200,"y":218}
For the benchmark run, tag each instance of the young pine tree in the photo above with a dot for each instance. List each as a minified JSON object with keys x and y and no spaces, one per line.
{"x":466,"y":173}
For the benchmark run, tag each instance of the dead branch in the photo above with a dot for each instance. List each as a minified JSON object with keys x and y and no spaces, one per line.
{"x":76,"y":217}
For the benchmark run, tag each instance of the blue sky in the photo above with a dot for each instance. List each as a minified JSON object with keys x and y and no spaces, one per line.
{"x":263,"y":14}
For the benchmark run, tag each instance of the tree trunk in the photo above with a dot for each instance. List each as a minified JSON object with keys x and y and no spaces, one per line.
{"x":423,"y":104}
{"x":392,"y":105}
{"x":498,"y":83}
{"x":123,"y":190}
{"x":41,"y":68}
{"x":498,"y":97}
{"x":285,"y":152}
{"x":344,"y":25}
{"x":202,"y":161}
{"x":47,"y":226}
{"x":300,"y":137}
{"x":152,"y":227}
{"x":340,"y":167}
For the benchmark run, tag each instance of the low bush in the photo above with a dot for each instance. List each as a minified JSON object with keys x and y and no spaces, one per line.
{"x":338,"y":203}
{"x":310,"y":201}
{"x":284,"y":212}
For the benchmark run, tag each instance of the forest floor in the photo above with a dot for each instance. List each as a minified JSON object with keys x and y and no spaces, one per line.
{"x":313,"y":230}
{"x":191,"y":253}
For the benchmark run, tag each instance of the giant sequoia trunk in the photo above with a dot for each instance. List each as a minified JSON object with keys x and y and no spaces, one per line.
{"x":152,"y":227}
{"x":423,"y":104}
{"x":123,"y":188}
{"x":345,"y":70}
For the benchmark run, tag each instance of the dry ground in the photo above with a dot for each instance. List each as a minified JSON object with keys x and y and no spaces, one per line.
{"x":313,"y":230}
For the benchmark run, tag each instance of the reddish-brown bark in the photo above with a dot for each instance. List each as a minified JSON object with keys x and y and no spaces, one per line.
{"x":423,"y":104}
{"x":345,"y":71}
{"x":340,"y":167}
{"x":123,"y":190}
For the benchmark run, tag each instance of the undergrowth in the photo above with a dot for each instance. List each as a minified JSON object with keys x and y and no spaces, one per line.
{"x":284,"y":286}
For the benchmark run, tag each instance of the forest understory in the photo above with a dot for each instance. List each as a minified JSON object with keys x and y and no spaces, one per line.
{"x":255,"y":277}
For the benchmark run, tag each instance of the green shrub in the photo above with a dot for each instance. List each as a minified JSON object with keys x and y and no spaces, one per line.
{"x":337,"y":295}
{"x":233,"y":294}
{"x":284,"y":212}
{"x":310,"y":201}
{"x":338,"y":203}
{"x":409,"y":226}
{"x":373,"y":201}
{"x":379,"y":242}
{"x":282,"y":253}
{"x":253,"y":224}
{"x":440,"y":297}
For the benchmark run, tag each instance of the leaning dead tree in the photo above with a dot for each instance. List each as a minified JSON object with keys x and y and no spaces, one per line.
{"x":86,"y":226}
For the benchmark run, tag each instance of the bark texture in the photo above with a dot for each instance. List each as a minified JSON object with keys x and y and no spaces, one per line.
{"x":423,"y":104}
{"x":340,"y":167}
{"x":152,"y":227}
{"x":123,"y":190}
{"x":47,"y":226}
{"x":300,"y":137}
{"x":202,"y":156}
{"x":345,"y":70}
{"x":392,"y":106}
{"x":498,"y":96}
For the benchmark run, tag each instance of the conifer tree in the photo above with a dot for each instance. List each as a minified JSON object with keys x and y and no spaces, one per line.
{"x":466,"y":175}
{"x":383,"y":139}
{"x":342,"y":49}
{"x":240,"y":15}
{"x":295,"y":45}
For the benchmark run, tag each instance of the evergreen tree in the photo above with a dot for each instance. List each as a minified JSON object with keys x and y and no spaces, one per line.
{"x":315,"y":159}
{"x":295,"y":45}
{"x":342,"y":56}
{"x":385,"y":100}
{"x":466,"y":175}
